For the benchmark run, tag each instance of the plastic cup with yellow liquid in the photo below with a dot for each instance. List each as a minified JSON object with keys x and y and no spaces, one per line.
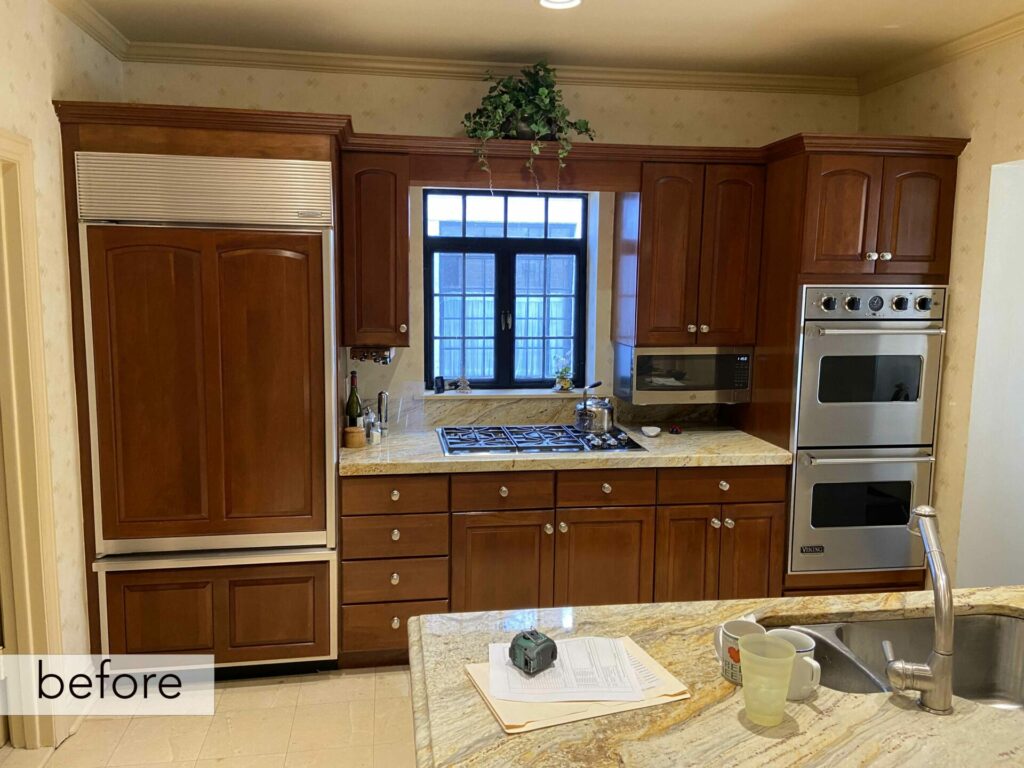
{"x":767,"y":664}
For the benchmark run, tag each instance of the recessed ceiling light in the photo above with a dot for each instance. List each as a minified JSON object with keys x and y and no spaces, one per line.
{"x":560,"y":5}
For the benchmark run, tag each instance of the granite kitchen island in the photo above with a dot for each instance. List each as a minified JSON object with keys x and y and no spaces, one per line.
{"x":454,"y":726}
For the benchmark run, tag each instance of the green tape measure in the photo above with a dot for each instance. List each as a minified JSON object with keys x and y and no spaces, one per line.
{"x":532,"y":651}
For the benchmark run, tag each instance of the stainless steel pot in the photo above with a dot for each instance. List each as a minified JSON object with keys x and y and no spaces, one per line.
{"x":594,"y":414}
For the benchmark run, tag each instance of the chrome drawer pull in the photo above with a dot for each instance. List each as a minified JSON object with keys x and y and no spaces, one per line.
{"x":396,"y":535}
{"x":724,"y":485}
{"x":396,"y":623}
{"x":716,"y":523}
{"x":394,"y":579}
{"x":730,"y":523}
{"x":503,"y":492}
{"x":395,"y":495}
{"x":606,"y":487}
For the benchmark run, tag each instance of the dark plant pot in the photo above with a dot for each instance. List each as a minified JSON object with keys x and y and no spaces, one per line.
{"x":523,"y":132}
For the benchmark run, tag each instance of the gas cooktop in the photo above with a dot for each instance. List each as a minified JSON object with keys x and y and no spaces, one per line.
{"x":458,"y":441}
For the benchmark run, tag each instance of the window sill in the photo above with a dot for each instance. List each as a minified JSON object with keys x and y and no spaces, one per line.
{"x":504,"y":394}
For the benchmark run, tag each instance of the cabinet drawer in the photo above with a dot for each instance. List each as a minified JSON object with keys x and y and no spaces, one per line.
{"x":394,"y":495}
{"x":604,"y":488}
{"x":382,"y":626}
{"x":503,"y":490}
{"x":375,"y":581}
{"x":394,"y":536}
{"x":721,"y":485}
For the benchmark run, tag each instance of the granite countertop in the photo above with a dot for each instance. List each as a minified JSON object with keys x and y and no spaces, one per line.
{"x":416,"y":452}
{"x":454,"y":726}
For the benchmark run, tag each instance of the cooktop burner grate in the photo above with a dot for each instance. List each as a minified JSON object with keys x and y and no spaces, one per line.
{"x":542,"y":438}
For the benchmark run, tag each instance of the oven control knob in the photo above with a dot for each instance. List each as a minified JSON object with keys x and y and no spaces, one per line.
{"x":853,"y":303}
{"x":901,"y":303}
{"x":829,"y":303}
{"x":924,"y":303}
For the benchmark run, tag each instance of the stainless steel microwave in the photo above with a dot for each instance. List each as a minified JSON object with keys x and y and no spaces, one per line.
{"x":682,"y":375}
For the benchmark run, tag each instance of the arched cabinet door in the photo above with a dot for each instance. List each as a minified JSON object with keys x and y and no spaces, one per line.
{"x":375,"y":249}
{"x":841,"y":222}
{"x":916,"y":223}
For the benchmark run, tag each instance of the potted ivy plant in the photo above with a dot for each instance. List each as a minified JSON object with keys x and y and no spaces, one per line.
{"x":525,"y":106}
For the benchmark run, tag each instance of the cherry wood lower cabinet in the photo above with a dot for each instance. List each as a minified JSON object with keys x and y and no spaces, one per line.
{"x":688,"y":553}
{"x":238,"y":613}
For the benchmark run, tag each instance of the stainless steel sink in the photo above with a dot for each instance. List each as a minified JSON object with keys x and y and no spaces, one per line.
{"x":988,"y":655}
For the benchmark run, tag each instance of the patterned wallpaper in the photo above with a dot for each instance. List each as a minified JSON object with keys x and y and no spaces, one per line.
{"x":980,"y":96}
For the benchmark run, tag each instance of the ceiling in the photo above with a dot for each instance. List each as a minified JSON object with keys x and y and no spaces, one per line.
{"x":844,"y":38}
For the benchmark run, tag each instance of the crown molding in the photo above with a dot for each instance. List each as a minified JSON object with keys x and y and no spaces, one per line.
{"x":943,"y":54}
{"x":95,"y":25}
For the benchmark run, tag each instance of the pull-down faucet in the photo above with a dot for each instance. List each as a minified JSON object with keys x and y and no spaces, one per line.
{"x":935,"y":679}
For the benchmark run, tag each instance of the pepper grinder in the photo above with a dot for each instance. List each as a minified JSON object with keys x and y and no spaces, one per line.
{"x":382,"y":412}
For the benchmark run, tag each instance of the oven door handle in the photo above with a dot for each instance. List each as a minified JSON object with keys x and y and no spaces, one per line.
{"x":812,"y":460}
{"x":881,"y":331}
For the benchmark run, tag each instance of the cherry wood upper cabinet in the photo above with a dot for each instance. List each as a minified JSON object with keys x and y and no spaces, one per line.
{"x":668,"y":265}
{"x":753,"y":550}
{"x":730,"y":254}
{"x":375,"y":249}
{"x":687,"y":553}
{"x":916,"y":223}
{"x":604,"y":556}
{"x":841,"y":225}
{"x":502,"y":560}
{"x":209,"y":386}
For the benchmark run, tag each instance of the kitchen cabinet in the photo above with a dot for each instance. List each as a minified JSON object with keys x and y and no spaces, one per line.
{"x":869,"y":214}
{"x":208,"y":351}
{"x":604,"y":556}
{"x":375,"y":249}
{"x":687,"y":255}
{"x":238,"y":613}
{"x":722,"y":552}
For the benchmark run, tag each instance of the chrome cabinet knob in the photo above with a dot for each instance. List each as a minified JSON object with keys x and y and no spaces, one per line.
{"x":606,"y":487}
{"x":870,"y":256}
{"x":396,"y":623}
{"x":403,"y":328}
{"x":885,"y":256}
{"x":503,"y":492}
{"x":549,"y":528}
{"x":396,"y":534}
{"x":395,"y":579}
{"x":705,"y":328}
{"x":730,"y":523}
{"x":723,"y":485}
{"x":716,"y":523}
{"x":396,"y":495}
{"x":691,"y":328}
{"x":563,"y":526}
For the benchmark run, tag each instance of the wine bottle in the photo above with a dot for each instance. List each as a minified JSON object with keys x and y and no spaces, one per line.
{"x":353,"y":408}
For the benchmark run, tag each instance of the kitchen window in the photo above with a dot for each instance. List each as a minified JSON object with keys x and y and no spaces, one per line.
{"x":505,"y":286}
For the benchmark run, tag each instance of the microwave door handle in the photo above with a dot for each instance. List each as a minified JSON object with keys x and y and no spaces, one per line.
{"x":881,"y":331}
{"x":873,"y":460}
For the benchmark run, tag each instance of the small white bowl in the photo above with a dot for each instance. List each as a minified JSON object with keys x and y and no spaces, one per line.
{"x":651,"y":431}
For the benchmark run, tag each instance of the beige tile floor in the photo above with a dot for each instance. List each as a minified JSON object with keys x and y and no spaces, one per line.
{"x":342,"y":719}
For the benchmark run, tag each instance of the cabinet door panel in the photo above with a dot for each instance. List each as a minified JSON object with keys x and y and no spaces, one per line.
{"x":730,"y":254}
{"x":843,"y":193}
{"x":669,"y":253}
{"x":160,"y":612}
{"x":916,"y":222}
{"x":604,"y":556}
{"x":752,"y":551}
{"x":686,"y":563}
{"x":502,"y":560}
{"x":270,"y":360}
{"x":145,"y":292}
{"x":375,"y":237}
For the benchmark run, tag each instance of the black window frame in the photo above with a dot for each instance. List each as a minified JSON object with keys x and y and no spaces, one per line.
{"x":504,"y":250}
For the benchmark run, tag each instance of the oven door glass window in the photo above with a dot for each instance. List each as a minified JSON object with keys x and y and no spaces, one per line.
{"x":680,"y":373}
{"x":857,"y":505}
{"x":870,"y":379}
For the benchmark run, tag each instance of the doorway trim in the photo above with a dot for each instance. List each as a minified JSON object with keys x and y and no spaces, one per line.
{"x":28,"y":583}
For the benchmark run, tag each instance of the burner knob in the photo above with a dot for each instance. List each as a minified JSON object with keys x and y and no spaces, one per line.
{"x":924,"y":303}
{"x":829,"y":303}
{"x":901,"y":303}
{"x":853,"y":303}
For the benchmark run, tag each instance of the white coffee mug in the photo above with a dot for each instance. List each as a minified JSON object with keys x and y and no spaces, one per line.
{"x":806,"y":671}
{"x":727,"y":645}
